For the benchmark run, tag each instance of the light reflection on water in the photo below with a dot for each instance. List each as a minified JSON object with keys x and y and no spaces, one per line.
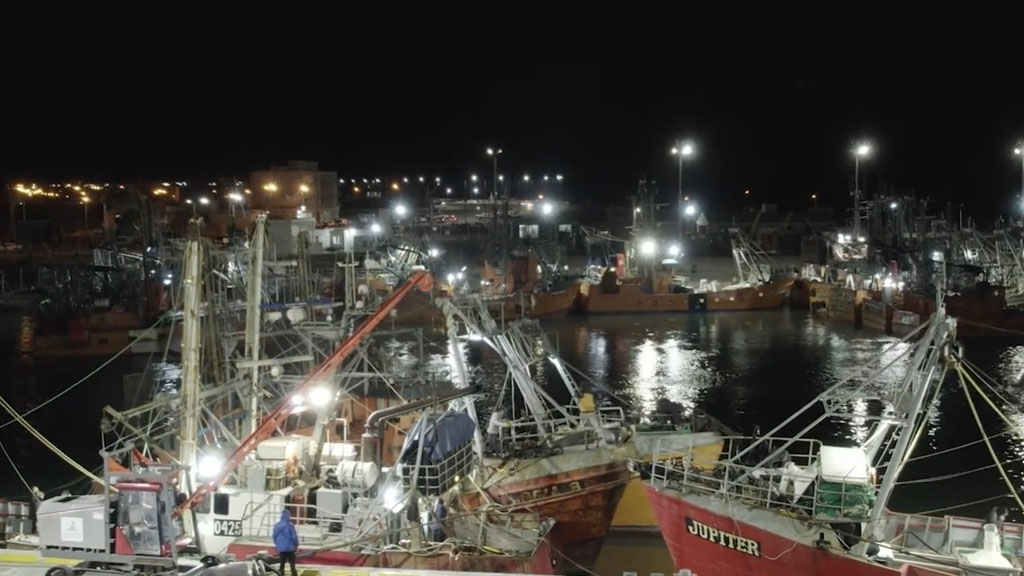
{"x":758,"y":368}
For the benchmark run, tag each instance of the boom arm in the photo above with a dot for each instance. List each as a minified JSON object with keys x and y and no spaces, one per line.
{"x":418,"y":279}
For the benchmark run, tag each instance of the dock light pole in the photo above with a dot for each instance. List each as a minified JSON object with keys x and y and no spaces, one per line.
{"x":862,"y":150}
{"x":1019,"y":151}
{"x":494,"y":153}
{"x":683,"y":150}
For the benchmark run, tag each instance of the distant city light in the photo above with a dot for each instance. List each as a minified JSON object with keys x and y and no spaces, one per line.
{"x":204,"y":200}
{"x":673,"y":250}
{"x":159,"y":192}
{"x":472,"y":177}
{"x":558,"y":177}
{"x":434,"y":252}
{"x":303,"y":188}
{"x":235,"y":197}
{"x":526,"y":177}
{"x":545,"y":177}
{"x":476,"y":189}
{"x":375,"y":228}
{"x":405,"y":180}
{"x":863,"y":150}
{"x":401,"y":210}
{"x":690,"y":210}
{"x":448,"y":190}
{"x":637,"y":210}
{"x":394,"y":185}
{"x":894,"y":205}
{"x":270,"y":187}
{"x":648,"y":247}
{"x":548,"y":208}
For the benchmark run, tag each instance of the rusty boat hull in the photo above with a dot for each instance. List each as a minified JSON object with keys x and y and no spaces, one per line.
{"x":632,"y":298}
{"x":579,"y":489}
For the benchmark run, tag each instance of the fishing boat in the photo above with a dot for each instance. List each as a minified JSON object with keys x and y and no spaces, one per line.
{"x":405,"y":516}
{"x":660,"y":290}
{"x":543,"y":455}
{"x":776,"y":505}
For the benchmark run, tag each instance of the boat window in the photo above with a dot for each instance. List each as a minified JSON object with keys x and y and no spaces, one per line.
{"x":221,"y":504}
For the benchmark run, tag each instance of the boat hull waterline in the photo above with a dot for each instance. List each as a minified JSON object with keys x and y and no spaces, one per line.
{"x":710,"y":543}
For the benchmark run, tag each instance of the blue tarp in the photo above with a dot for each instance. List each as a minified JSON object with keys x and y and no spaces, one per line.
{"x":441,"y":434}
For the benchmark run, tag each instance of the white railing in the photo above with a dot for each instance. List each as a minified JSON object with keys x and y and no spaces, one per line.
{"x":744,"y":471}
{"x":435,"y":478}
{"x":945,"y":534}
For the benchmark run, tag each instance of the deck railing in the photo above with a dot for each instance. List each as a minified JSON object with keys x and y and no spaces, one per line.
{"x":743,"y":471}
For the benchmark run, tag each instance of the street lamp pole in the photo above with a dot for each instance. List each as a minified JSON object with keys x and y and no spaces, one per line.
{"x":862,"y":150}
{"x":1019,"y":151}
{"x":682,"y":150}
{"x":494,"y":153}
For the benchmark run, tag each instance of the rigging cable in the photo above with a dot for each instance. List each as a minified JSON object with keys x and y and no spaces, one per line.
{"x":89,"y":375}
{"x":964,"y":378}
{"x":42,"y":439}
{"x":16,"y":471}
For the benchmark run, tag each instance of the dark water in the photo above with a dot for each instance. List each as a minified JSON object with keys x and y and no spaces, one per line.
{"x":71,"y":422}
{"x":744,"y":368}
{"x":757,"y":368}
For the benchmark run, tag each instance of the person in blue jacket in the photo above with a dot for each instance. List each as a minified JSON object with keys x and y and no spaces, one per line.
{"x":286,"y":540}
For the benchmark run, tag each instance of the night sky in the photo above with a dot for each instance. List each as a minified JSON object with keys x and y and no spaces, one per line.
{"x":782,"y":129}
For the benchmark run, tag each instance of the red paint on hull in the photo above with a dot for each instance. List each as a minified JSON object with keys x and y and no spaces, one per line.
{"x":582,"y":517}
{"x":540,"y":562}
{"x":778,"y":555}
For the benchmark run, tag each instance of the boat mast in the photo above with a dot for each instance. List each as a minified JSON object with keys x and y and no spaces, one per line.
{"x":463,"y":380}
{"x":252,"y":318}
{"x":191,"y":353}
{"x":923,"y":374}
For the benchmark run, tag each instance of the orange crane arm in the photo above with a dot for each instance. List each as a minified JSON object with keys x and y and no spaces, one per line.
{"x":418,"y":279}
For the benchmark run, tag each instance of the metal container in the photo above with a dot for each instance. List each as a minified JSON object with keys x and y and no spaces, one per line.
{"x":73,"y":522}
